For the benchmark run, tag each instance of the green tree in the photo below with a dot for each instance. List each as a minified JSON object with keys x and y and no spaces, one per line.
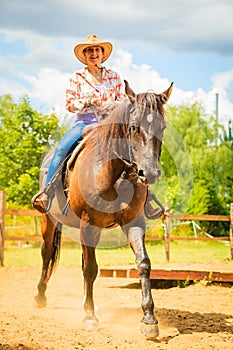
{"x":25,"y":136}
{"x":196,"y":164}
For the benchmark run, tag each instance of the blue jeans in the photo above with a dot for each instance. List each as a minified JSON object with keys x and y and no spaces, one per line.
{"x":66,"y":145}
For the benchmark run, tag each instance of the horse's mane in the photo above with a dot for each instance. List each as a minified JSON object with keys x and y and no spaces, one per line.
{"x":151,"y":101}
{"x":111,"y":131}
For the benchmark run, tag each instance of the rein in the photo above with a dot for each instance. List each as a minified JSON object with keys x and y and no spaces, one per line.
{"x":131,"y":163}
{"x":131,"y":156}
{"x":131,"y":125}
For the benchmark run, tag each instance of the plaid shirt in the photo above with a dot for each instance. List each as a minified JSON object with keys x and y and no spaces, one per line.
{"x":81,"y":88}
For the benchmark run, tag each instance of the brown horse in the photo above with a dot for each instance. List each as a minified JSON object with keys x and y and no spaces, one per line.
{"x":107,"y":180}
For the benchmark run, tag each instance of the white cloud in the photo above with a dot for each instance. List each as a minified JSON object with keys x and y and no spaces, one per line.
{"x":222,"y":81}
{"x":221,"y":84}
{"x":225,"y":104}
{"x":49,"y":87}
{"x":173,"y":25}
{"x":40,"y":51}
{"x":13,"y":88}
{"x":143,"y":77}
{"x":140,"y":77}
{"x":46,"y":32}
{"x":48,"y":84}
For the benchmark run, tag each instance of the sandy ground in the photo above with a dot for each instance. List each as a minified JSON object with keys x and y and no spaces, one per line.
{"x":196,"y":317}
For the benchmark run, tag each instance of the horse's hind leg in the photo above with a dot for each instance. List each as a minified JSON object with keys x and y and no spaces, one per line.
{"x":89,"y":239}
{"x":136,"y":237}
{"x":49,"y":251}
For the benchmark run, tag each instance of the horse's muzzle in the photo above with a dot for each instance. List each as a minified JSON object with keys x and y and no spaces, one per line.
{"x":150,"y":177}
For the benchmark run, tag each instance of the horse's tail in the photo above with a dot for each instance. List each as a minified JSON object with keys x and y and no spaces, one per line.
{"x":55,"y":251}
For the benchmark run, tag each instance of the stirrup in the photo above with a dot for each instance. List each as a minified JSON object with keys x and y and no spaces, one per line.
{"x":157,"y":211}
{"x":49,"y":191}
{"x":154,"y":198}
{"x":155,"y":215}
{"x":38,"y":205}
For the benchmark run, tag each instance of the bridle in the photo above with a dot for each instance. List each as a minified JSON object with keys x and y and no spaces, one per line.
{"x":131,"y":126}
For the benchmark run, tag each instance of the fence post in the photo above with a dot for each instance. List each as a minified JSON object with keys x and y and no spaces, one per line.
{"x":2,"y":225}
{"x":167,"y":230}
{"x":231,"y":231}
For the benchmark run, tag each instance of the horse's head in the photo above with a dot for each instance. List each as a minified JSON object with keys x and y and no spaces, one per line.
{"x":145,"y":130}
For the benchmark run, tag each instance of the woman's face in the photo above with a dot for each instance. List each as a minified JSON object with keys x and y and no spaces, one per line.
{"x":94,"y":55}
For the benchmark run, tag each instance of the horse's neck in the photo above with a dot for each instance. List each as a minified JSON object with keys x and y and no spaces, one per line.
{"x":117,"y":167}
{"x":109,"y":173}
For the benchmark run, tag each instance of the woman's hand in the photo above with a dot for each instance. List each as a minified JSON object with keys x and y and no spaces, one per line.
{"x":95,"y":101}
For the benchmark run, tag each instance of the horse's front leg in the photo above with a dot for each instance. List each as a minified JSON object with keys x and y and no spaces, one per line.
{"x":89,"y":239}
{"x":136,"y":237}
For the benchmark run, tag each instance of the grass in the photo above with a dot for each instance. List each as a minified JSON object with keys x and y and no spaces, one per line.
{"x":183,"y":252}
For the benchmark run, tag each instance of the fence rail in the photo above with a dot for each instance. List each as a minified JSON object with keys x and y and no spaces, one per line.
{"x":148,"y":239}
{"x":22,"y":212}
{"x":206,"y":217}
{"x":167,"y":237}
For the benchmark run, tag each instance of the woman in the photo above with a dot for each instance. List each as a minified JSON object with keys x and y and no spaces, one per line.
{"x":93,"y":92}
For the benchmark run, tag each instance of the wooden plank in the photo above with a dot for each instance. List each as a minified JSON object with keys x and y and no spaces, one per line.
{"x":167,"y":230}
{"x":22,"y":212}
{"x":200,"y":217}
{"x":67,"y":239}
{"x":24,"y":239}
{"x":121,"y":273}
{"x":107,"y":273}
{"x":175,"y":275}
{"x":2,"y":225}
{"x":33,"y":238}
{"x":32,"y":212}
{"x":172,"y":238}
{"x":191,"y":275}
{"x":231,"y":233}
{"x":223,"y":238}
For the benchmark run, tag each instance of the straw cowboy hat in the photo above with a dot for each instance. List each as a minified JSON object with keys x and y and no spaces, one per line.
{"x":92,"y":40}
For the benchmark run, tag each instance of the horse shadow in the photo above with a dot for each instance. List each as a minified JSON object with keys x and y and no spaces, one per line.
{"x":15,"y":347}
{"x":187,"y":322}
{"x":174,"y":322}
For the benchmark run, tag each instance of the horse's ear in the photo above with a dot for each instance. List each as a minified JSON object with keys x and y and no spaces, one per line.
{"x":166,"y":94}
{"x":129,"y":92}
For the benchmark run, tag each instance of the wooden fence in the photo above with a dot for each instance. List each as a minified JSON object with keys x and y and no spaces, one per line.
{"x":168,"y":218}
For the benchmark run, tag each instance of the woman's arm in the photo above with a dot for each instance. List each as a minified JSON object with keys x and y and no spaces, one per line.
{"x":74,"y":102}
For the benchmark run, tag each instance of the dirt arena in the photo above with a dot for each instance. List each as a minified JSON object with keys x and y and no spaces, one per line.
{"x":196,"y":317}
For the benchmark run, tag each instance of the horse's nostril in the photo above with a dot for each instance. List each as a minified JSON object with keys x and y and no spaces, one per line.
{"x":140,"y":173}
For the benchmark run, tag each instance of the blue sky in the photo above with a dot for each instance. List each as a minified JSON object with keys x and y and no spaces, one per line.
{"x":155,"y":42}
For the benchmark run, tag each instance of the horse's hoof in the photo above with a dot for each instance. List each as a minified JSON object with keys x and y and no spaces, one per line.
{"x":149,"y":330}
{"x":39,"y":302}
{"x":90,"y":324}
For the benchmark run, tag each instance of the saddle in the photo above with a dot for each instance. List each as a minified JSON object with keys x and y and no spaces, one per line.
{"x":61,"y":176}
